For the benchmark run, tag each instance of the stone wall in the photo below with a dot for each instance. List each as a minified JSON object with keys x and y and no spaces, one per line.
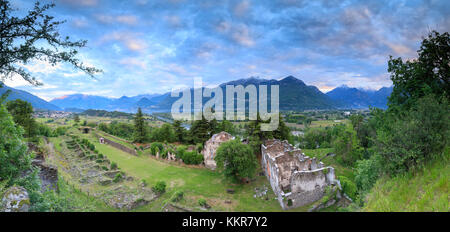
{"x":118,"y":145}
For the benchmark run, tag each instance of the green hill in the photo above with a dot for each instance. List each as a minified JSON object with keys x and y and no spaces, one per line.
{"x":426,"y":189}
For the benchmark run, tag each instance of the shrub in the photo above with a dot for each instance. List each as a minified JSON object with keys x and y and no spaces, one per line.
{"x":236,"y":160}
{"x":143,"y":182}
{"x":177,"y":196}
{"x":348,"y":187}
{"x":118,"y":177}
{"x":347,"y":146}
{"x":155,"y":148}
{"x":289,"y":203}
{"x":412,"y":137}
{"x":160,"y":187}
{"x":113,"y":165}
{"x":180,"y":152}
{"x":367,"y":172}
{"x":100,"y":156}
{"x":192,"y":157}
{"x":164,"y":154}
{"x":202,"y":202}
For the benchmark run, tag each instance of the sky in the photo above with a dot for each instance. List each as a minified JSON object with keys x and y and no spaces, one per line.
{"x":151,"y":46}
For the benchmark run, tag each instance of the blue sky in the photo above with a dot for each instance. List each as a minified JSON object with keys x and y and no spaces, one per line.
{"x":149,"y":46}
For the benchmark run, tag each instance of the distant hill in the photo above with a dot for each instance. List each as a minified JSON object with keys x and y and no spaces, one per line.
{"x":355,"y":98}
{"x":82,"y":101}
{"x":36,"y":102}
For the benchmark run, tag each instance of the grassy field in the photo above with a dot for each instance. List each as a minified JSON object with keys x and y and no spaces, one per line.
{"x":426,"y":189}
{"x":320,"y":123}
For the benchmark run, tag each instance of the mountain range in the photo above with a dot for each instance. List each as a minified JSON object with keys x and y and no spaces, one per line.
{"x":36,"y":102}
{"x":294,"y":95}
{"x":355,"y":98}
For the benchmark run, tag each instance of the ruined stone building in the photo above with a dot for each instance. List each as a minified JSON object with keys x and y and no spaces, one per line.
{"x":210,"y":148}
{"x":296,"y":179}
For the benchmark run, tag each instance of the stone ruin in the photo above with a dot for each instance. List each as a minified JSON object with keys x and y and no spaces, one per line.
{"x":15,"y":199}
{"x":210,"y":148}
{"x":296,"y":179}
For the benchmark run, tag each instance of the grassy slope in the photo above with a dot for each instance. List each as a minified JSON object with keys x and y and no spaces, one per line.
{"x":422,"y":190}
{"x":340,"y":170}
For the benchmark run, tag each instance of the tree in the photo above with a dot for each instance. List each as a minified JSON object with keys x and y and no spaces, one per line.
{"x":140,"y":130}
{"x":236,"y":160}
{"x":255,"y":135}
{"x":22,"y":40}
{"x":199,"y":131}
{"x":227,"y":126}
{"x":14,"y":157}
{"x":167,"y":133}
{"x":282,"y":132}
{"x":76,"y":118}
{"x":22,"y":113}
{"x":417,"y":135}
{"x":347,"y":146}
{"x":428,"y":74}
{"x":180,"y":132}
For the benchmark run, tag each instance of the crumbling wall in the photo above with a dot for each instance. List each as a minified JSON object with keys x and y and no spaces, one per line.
{"x":296,"y":179}
{"x":118,"y":145}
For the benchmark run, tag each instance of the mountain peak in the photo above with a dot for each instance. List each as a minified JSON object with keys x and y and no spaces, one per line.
{"x":292,"y":79}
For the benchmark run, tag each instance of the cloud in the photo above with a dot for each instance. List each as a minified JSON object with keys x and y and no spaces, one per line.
{"x":124,"y":19}
{"x":131,"y":41}
{"x":131,"y":62}
{"x":85,"y":3}
{"x":147,"y":46}
{"x":241,"y":8}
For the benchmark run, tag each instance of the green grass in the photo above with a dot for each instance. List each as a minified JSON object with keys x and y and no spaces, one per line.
{"x":426,"y":189}
{"x":340,"y":169}
{"x":320,"y":123}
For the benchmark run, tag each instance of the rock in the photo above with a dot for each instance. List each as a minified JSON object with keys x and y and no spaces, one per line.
{"x":15,"y":199}
{"x":227,"y":202}
{"x":230,"y":191}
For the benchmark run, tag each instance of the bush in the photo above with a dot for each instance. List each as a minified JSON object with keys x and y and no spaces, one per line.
{"x":192,"y":157}
{"x":202,"y":202}
{"x":155,"y":148}
{"x":180,"y":152}
{"x":160,"y":187}
{"x":143,"y":182}
{"x":347,"y":147}
{"x":177,"y":196}
{"x":348,"y":187}
{"x":118,"y":177}
{"x":236,"y":160}
{"x":113,"y":166}
{"x":412,"y":137}
{"x":367,"y":172}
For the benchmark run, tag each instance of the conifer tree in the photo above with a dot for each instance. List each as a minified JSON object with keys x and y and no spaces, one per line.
{"x":140,"y":130}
